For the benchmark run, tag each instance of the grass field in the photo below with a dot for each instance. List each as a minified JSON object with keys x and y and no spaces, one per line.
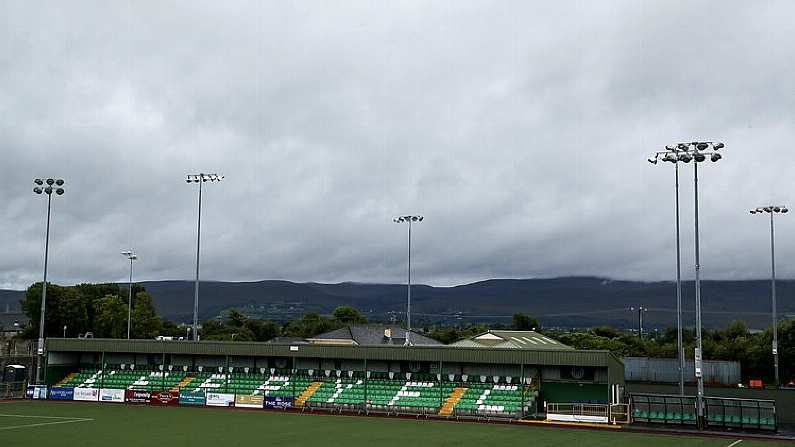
{"x":45,"y":424}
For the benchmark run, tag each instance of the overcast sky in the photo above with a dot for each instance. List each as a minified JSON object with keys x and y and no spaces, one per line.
{"x":519,"y":129}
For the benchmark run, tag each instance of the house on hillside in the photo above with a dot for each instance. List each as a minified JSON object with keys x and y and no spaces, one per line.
{"x":12,"y":323}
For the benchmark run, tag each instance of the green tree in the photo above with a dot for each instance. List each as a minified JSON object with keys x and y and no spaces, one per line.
{"x":145,"y":322}
{"x":111,"y":317}
{"x":65,"y":307}
{"x":310,"y":325}
{"x":263,"y":330}
{"x":348,"y":315}
{"x":524,"y":322}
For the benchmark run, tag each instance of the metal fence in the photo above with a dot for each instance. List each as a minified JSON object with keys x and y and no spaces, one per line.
{"x":648,"y":369}
{"x":12,"y":390}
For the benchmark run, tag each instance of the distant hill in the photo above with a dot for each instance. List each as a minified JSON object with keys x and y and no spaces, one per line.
{"x":563,"y":302}
{"x":9,"y":300}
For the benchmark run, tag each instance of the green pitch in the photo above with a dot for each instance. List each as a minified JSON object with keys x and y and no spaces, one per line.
{"x":45,"y":424}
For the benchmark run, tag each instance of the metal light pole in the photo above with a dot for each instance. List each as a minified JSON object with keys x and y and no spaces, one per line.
{"x":640,"y":310}
{"x":671,"y":155}
{"x":773,"y":209}
{"x":408,"y":219}
{"x":132,"y":257}
{"x":199,"y":178}
{"x":697,"y":151}
{"x":38,"y":189}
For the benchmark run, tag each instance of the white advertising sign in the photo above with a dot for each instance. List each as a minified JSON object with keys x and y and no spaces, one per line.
{"x":576,"y":418}
{"x":220,"y":399}
{"x":111,"y":395}
{"x":90,"y":394}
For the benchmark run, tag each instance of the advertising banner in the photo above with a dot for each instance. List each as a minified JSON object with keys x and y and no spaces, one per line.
{"x":278,"y":402}
{"x":137,"y":397}
{"x":61,"y":393}
{"x":220,"y":399}
{"x":249,"y":401}
{"x":90,"y":394}
{"x":164,"y":398}
{"x":191,"y":398}
{"x":111,"y":395}
{"x":36,"y":392}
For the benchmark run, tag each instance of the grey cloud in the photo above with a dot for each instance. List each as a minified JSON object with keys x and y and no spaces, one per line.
{"x":520,"y":130}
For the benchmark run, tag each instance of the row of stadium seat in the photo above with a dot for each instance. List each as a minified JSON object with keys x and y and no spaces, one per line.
{"x":380,"y":393}
{"x":676,"y":417}
{"x":123,"y":379}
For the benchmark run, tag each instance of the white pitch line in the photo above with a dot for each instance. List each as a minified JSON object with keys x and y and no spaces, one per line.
{"x":39,"y":417}
{"x":40,"y":424}
{"x":735,"y":443}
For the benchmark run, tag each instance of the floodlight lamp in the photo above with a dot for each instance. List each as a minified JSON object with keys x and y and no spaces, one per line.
{"x":752,"y":211}
{"x":48,"y":190}
{"x":699,"y":157}
{"x":777,"y":209}
{"x":37,"y":190}
{"x":784,"y":210}
{"x":682,"y":146}
{"x":715,"y":157}
{"x":702,"y":146}
{"x":685,"y":158}
{"x":653,"y":160}
{"x":670,"y":148}
{"x":717,"y":146}
{"x":421,"y":217}
{"x":768,"y":209}
{"x":670,"y":158}
{"x":50,"y":181}
{"x":38,"y":181}
{"x":59,"y":182}
{"x":59,"y":191}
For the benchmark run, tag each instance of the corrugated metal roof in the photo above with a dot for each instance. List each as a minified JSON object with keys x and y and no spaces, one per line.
{"x":513,"y":339}
{"x":461,"y":354}
{"x":373,"y":335}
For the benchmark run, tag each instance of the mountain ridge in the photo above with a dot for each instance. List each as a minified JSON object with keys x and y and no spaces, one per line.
{"x":574,"y":301}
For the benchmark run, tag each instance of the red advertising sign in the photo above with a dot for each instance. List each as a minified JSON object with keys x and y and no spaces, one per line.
{"x":164,"y":398}
{"x":137,"y":397}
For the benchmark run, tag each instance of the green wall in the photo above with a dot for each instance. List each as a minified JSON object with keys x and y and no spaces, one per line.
{"x":54,"y":373}
{"x":564,"y":392}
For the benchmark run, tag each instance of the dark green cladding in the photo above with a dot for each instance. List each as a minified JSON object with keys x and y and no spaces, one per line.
{"x":545,"y":357}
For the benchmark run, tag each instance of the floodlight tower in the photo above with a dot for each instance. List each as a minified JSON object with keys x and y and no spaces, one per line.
{"x":132,"y":257}
{"x":408,"y":219}
{"x":671,"y":155}
{"x":640,"y":310}
{"x":772,"y":210}
{"x":199,"y":178}
{"x":696,"y":152}
{"x":48,"y":190}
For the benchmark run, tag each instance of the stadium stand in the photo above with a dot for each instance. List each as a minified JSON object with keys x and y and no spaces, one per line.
{"x":340,"y":390}
{"x":354,"y":374}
